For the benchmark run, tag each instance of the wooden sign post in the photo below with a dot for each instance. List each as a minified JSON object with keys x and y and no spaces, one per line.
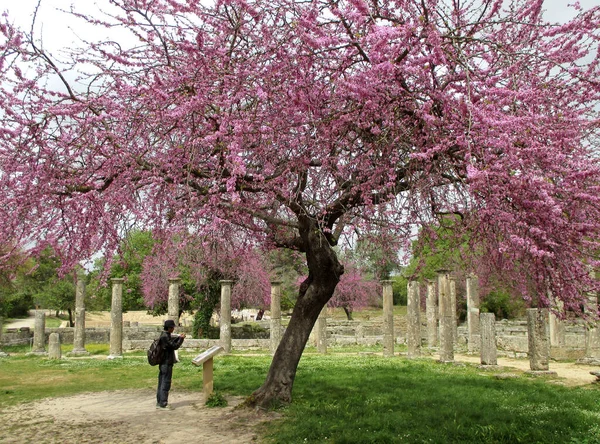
{"x":206,"y":360}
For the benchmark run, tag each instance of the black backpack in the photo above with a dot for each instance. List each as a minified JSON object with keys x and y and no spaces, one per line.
{"x":155,"y":353}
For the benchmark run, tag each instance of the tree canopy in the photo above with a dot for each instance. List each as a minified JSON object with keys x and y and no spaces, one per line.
{"x":292,"y":124}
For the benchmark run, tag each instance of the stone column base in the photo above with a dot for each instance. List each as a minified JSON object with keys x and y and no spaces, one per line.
{"x":541,"y":373}
{"x":490,"y":367}
{"x":588,"y":361}
{"x":78,"y":353}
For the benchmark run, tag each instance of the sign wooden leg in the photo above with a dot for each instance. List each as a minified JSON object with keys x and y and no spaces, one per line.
{"x":207,"y":378}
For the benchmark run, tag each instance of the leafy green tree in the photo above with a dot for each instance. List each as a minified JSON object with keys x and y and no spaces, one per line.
{"x":39,"y":284}
{"x":13,"y":303}
{"x":206,"y":299}
{"x":127,"y":264}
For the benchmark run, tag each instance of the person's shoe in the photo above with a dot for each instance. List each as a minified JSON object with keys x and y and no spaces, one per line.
{"x":165,"y":407}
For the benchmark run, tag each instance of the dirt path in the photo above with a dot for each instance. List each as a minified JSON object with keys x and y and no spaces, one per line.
{"x":129,"y":416}
{"x":568,"y":373}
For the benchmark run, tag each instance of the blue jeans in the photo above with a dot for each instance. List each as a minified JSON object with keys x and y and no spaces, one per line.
{"x":165,"y":375}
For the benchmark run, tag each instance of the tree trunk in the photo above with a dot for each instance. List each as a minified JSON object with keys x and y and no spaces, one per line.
{"x":324,"y":273}
{"x":71,"y":324}
{"x":348,"y":311}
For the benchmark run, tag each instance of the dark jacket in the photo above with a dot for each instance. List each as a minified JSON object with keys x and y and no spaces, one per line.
{"x":169,"y":345}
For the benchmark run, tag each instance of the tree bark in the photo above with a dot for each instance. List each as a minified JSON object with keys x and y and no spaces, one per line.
{"x":324,"y":274}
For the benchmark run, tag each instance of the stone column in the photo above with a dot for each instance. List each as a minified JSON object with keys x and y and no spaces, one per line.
{"x":54,"y":351}
{"x":79,"y":333}
{"x":275,"y":315}
{"x":488,"y":348}
{"x":173,"y":307}
{"x":557,"y":326}
{"x":446,"y":326}
{"x":473,"y":339}
{"x":539,"y":344}
{"x":413,"y":336}
{"x":388,"y":318}
{"x":322,"y":331}
{"x":592,"y":335}
{"x":432,"y":315}
{"x":452,"y":281}
{"x":39,"y":333}
{"x":225,"y":321}
{"x":116,"y":319}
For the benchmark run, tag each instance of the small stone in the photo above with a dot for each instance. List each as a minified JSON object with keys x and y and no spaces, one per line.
{"x":506,"y":376}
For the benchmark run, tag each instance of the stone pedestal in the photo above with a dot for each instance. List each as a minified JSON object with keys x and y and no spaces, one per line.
{"x":173,"y":302}
{"x":432,"y":314}
{"x":446,"y":317}
{"x":488,"y":347}
{"x":413,"y":336}
{"x":54,"y":351}
{"x":225,"y":320}
{"x":275,"y":334}
{"x":116,"y":319}
{"x":79,"y":333}
{"x":39,"y":333}
{"x":539,"y":344}
{"x":388,"y":318}
{"x":321,"y":336}
{"x":473,"y":340}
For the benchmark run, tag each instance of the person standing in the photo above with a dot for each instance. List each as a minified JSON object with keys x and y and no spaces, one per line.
{"x":165,"y":369}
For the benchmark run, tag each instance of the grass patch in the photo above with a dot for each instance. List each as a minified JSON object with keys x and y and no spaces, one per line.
{"x":54,"y":322}
{"x":376,"y":400}
{"x":346,"y":398}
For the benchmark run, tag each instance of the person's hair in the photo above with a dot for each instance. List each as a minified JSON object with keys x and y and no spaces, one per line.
{"x":169,"y":323}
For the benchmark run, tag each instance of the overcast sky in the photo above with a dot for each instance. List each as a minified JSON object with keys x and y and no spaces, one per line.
{"x":58,"y":30}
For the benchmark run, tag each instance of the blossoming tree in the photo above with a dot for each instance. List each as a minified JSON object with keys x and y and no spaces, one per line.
{"x":293,"y":123}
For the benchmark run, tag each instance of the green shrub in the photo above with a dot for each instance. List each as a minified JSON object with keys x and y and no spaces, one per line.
{"x":503,"y":305}
{"x":216,"y":400}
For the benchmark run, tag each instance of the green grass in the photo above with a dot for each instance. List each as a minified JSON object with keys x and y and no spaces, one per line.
{"x":365,"y":314}
{"x":54,"y":322}
{"x":375,"y":400}
{"x":346,"y":398}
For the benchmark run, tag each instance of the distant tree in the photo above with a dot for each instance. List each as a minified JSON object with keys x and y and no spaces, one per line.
{"x":128,"y":264}
{"x":198,"y":263}
{"x":42,"y":284}
{"x":354,"y":291}
{"x":14,"y":303}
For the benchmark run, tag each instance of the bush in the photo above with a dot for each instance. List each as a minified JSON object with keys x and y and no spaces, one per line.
{"x":216,"y":400}
{"x":15,"y":305}
{"x":503,"y":305}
